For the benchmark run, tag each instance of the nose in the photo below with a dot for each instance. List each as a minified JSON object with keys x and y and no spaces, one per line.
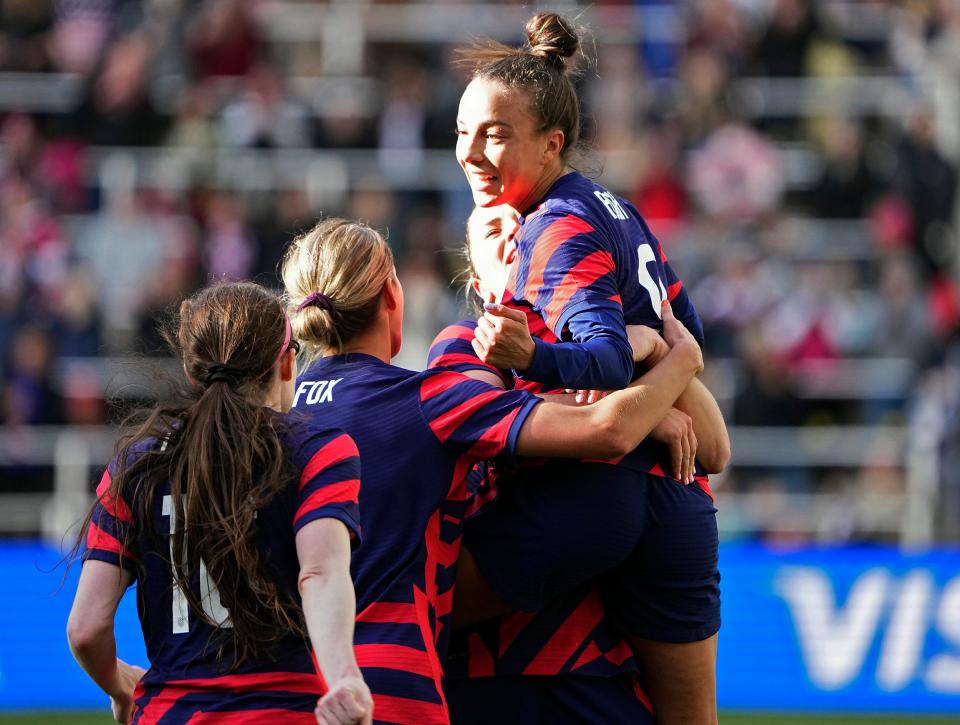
{"x":469,"y":149}
{"x":509,"y":251}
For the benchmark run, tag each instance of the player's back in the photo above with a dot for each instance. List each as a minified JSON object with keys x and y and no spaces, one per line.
{"x":379,"y":405}
{"x":419,"y":435}
{"x":193,"y":663}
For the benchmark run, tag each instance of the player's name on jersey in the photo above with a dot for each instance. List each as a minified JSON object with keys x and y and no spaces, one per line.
{"x":315,"y":391}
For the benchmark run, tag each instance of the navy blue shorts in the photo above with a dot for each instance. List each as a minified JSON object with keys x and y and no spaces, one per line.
{"x":554,"y":527}
{"x":668,"y":589}
{"x":558,"y":700}
{"x":649,"y":541}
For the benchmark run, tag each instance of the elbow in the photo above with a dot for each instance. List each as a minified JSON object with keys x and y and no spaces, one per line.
{"x":612,"y":439}
{"x":308,"y":577}
{"x":716,"y":458}
{"x":84,"y":635}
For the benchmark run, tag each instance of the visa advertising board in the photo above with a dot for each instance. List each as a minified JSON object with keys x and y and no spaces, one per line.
{"x":847,"y":629}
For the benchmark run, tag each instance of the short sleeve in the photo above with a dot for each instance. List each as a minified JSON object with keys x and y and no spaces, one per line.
{"x":565,"y":265}
{"x":109,"y":534}
{"x":452,"y":349}
{"x":329,"y":483}
{"x":471,"y":417}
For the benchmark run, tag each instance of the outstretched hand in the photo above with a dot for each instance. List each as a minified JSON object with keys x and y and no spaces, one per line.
{"x":503,"y":339}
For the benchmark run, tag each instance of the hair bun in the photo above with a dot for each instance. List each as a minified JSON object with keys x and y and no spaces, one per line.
{"x":553,"y":37}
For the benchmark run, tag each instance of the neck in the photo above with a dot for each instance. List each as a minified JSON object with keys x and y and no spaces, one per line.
{"x":537,"y":192}
{"x":375,"y":341}
{"x":273,"y":397}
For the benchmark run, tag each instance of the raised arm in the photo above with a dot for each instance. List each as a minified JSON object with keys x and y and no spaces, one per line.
{"x":329,"y":607}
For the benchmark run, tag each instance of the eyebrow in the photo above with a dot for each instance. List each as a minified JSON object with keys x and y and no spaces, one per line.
{"x":489,"y":122}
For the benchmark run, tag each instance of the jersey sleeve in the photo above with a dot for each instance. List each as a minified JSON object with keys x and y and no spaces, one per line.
{"x":109,"y":534}
{"x":567,"y":272}
{"x":452,"y":349}
{"x":471,"y":417}
{"x":329,"y":483}
{"x":565,"y":265}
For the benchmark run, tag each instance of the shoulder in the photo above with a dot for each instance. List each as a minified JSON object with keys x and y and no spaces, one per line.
{"x":443,"y":386}
{"x":460,"y":330}
{"x":130,"y":454}
{"x":304,"y":435}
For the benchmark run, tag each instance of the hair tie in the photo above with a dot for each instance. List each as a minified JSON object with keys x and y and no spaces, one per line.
{"x":220,"y":373}
{"x":317,"y":299}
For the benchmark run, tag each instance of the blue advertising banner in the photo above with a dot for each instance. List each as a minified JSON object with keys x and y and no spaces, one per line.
{"x":856,"y":629}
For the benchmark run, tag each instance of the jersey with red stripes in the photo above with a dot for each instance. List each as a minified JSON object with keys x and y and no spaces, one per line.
{"x":419,"y":435}
{"x":584,"y":249}
{"x":187,"y":680}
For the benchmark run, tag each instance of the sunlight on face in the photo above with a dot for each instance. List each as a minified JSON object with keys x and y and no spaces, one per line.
{"x":490,"y":233}
{"x":498,"y":146}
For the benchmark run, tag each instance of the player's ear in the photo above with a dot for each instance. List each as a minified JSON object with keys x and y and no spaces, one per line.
{"x":392,"y":293}
{"x":555,"y":143}
{"x":288,"y":365}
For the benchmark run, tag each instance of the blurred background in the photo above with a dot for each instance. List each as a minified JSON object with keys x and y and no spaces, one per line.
{"x":796,"y":158}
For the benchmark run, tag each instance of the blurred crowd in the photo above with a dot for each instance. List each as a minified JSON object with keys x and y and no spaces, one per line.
{"x":797,"y":160}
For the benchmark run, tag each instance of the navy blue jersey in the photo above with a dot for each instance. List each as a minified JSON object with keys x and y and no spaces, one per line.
{"x":451,"y":349}
{"x":186,"y":682}
{"x":588,"y":264}
{"x":419,"y":435}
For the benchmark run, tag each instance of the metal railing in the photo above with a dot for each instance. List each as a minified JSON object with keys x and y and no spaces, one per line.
{"x":77,"y":453}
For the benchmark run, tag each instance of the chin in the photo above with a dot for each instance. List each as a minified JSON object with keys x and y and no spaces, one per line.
{"x":485,"y":199}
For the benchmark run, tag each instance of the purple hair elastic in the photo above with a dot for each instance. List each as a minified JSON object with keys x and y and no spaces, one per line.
{"x":317,"y":299}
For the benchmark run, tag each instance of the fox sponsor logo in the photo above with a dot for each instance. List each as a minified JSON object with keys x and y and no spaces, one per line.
{"x":315,"y":391}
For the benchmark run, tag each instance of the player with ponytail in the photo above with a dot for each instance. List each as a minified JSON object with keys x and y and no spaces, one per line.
{"x":587,"y":265}
{"x":236,"y":522}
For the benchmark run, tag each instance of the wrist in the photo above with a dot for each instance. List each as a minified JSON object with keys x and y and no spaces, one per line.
{"x":693,"y":357}
{"x":660,"y":351}
{"x":349,"y":671}
{"x":530,"y":349}
{"x":115,"y":686}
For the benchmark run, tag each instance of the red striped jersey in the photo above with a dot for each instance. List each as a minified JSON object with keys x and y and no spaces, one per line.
{"x":185,"y":682}
{"x":419,"y":435}
{"x":451,"y":349}
{"x":583,"y":249}
{"x":571,"y":635}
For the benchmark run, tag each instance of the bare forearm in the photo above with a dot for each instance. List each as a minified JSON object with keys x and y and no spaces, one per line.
{"x":96,"y":652}
{"x":713,"y":441}
{"x":612,"y":426}
{"x":329,"y":607}
{"x":634,"y":412}
{"x":90,"y":625}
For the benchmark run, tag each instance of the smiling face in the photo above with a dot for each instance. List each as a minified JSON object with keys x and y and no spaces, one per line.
{"x":490,"y":233}
{"x":506,"y":160}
